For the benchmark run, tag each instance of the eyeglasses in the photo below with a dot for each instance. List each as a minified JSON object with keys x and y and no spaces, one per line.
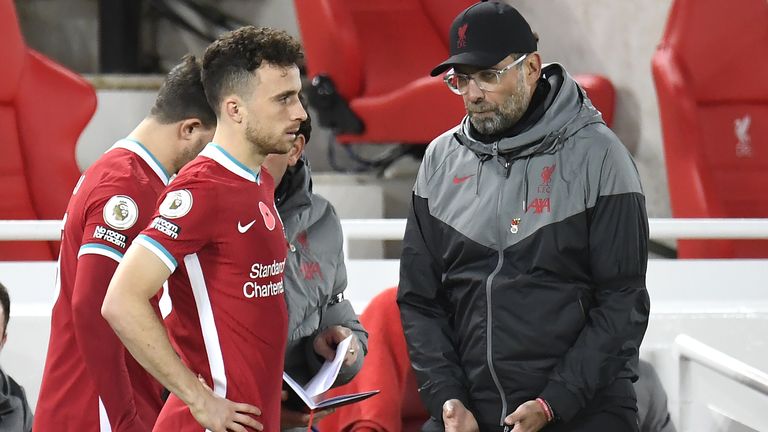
{"x":486,"y":79}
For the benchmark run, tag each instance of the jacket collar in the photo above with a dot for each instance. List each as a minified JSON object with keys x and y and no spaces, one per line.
{"x":6,"y":393}
{"x":568,"y":111}
{"x":294,"y":193}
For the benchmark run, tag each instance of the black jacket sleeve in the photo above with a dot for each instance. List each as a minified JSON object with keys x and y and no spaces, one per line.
{"x":426,"y":320}
{"x":607,"y":347}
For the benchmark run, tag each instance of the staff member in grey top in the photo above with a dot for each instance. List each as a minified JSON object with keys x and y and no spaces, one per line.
{"x":315,"y":278}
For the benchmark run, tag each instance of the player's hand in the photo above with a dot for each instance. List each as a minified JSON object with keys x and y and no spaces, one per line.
{"x":528,"y":417}
{"x":326,"y":342}
{"x":457,"y":418}
{"x":218,"y":414}
{"x":292,"y":419}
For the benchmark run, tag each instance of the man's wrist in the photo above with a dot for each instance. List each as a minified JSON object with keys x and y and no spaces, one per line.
{"x":564,"y":403}
{"x":548,"y":412}
{"x":194,"y":396}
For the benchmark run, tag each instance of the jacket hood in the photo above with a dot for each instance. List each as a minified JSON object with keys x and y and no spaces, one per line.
{"x":294,"y":193}
{"x":568,"y":110}
{"x":5,"y":394}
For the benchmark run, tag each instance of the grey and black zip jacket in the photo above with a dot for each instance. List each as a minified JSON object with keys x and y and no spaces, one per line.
{"x":315,"y":277}
{"x":523,"y":266}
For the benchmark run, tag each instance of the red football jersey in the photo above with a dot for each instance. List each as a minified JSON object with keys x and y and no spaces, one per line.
{"x":90,"y":382}
{"x":219,"y":233}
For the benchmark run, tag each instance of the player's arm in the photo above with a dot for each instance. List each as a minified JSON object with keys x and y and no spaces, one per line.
{"x":128,"y":310}
{"x":101,"y":350}
{"x":112,"y":220}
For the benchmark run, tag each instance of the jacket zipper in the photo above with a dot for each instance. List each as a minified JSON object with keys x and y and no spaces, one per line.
{"x":488,"y":284}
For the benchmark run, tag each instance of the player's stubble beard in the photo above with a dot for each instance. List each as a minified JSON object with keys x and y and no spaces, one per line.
{"x":505,"y":115}
{"x":264,"y":144}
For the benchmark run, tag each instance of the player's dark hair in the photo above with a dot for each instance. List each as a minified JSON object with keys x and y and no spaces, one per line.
{"x":229,"y":62}
{"x":182,"y":97}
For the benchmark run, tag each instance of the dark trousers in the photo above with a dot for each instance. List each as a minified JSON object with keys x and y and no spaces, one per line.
{"x":614,"y":420}
{"x":617,"y":419}
{"x":614,"y":409}
{"x":598,"y":422}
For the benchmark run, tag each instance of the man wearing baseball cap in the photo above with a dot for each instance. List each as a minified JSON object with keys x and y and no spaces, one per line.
{"x":522,"y":280}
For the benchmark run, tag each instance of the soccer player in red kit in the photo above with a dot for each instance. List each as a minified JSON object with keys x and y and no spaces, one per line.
{"x":90,"y":382}
{"x":218,"y":236}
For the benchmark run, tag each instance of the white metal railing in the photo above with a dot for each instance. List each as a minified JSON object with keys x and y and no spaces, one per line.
{"x":30,"y":229}
{"x":690,"y":350}
{"x":393,"y":229}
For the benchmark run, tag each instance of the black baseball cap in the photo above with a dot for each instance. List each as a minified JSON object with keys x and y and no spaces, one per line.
{"x":486,"y":32}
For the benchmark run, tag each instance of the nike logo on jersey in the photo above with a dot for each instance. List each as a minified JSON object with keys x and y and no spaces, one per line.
{"x":459,"y":180}
{"x":245,"y":228}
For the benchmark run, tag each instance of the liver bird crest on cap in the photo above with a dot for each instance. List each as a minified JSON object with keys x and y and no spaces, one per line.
{"x":462,"y":42}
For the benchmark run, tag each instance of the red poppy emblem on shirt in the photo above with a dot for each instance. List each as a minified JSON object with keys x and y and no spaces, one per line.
{"x":266,"y":213}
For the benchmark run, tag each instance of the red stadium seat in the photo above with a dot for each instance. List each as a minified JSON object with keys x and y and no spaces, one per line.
{"x":379,"y":54}
{"x":387,"y":367}
{"x":43,"y":110}
{"x":710,"y":70}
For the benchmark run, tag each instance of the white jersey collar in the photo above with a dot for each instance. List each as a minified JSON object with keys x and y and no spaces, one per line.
{"x":217,"y":153}
{"x":134,"y":146}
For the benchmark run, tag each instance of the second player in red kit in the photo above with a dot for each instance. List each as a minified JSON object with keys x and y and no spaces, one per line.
{"x":90,"y":382}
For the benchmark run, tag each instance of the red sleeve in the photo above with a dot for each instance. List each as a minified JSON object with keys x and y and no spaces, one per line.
{"x":102,"y":351}
{"x":113,"y":219}
{"x":183,"y":223}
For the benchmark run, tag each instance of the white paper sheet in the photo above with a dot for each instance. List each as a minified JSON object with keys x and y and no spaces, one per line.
{"x":327,"y":374}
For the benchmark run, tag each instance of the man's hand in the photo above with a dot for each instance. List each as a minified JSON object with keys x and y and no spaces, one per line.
{"x":326,"y":342}
{"x":218,"y":414}
{"x":292,"y":419}
{"x":528,"y":417}
{"x":457,"y":418}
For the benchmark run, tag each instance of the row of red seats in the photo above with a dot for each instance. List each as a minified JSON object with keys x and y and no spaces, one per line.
{"x":43,"y":109}
{"x":708,"y":69}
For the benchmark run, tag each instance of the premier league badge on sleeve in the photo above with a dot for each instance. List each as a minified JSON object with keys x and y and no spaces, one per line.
{"x":176,"y":204}
{"x":121,"y":212}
